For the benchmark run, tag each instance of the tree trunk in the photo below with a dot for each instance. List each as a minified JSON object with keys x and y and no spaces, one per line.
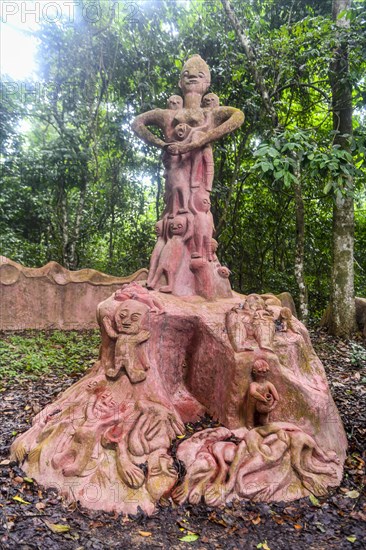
{"x":299,"y":252}
{"x":64,"y":229}
{"x":342,"y":316}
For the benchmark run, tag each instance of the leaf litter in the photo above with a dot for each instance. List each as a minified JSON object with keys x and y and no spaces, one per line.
{"x":32,"y":517}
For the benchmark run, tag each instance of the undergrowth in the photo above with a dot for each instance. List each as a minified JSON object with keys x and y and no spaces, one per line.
{"x":33,"y":354}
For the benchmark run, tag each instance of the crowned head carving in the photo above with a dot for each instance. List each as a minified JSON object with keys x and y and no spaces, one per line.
{"x":195,"y":76}
{"x":260,"y":369}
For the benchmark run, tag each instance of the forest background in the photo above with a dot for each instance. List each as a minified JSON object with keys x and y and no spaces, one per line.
{"x":79,"y":188}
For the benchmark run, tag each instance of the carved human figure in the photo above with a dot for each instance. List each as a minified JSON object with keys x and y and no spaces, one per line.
{"x":194,"y":81}
{"x":160,"y":243}
{"x":203,"y":225}
{"x":100,"y":413}
{"x":203,"y":164}
{"x":219,"y":464}
{"x":129,"y":355}
{"x":161,"y":475}
{"x":180,"y":230}
{"x":262,"y":396}
{"x":201,"y":466}
{"x":265,"y":446}
{"x":250,"y":324}
{"x":134,"y":291}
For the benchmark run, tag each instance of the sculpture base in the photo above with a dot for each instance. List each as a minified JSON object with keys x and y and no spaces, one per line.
{"x":106,"y":441}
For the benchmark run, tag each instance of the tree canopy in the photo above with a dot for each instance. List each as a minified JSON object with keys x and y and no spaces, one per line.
{"x":79,"y":188}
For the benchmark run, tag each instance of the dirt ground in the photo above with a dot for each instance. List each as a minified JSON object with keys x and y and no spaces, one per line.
{"x":30,"y":516}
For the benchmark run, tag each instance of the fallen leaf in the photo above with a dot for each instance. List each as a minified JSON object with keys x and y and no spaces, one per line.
{"x":297,"y":526}
{"x":57,"y":527}
{"x":28,"y":479}
{"x":40,"y":506}
{"x":96,"y":524}
{"x":145,"y":533}
{"x":314,"y":501}
{"x":352,"y":494}
{"x":256,"y":521}
{"x":4,"y":462}
{"x":278,"y":520}
{"x":19,"y":499}
{"x":18,"y":479}
{"x":190,"y":538}
{"x":180,"y":436}
{"x":263,"y":545}
{"x":351,"y":538}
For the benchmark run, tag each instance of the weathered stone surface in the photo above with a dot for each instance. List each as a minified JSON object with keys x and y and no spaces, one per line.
{"x":187,"y":346}
{"x":53,"y":297}
{"x":164,"y":361}
{"x":183,"y":261}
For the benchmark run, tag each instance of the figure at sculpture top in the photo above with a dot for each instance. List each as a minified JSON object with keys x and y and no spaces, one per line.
{"x":188,"y":126}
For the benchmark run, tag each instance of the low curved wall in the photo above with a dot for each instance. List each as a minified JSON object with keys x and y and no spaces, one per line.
{"x":51,"y":297}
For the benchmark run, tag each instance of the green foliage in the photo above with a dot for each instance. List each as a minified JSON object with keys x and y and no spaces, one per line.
{"x":358,"y":355}
{"x":33,"y":354}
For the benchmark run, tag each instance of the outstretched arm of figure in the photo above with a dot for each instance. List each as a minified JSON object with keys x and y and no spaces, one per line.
{"x":226,"y":120}
{"x":150,"y":118}
{"x":107,"y":323}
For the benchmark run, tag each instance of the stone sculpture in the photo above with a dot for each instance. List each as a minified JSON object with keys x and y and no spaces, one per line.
{"x":262,"y":396}
{"x":183,"y":346}
{"x":189,"y":127}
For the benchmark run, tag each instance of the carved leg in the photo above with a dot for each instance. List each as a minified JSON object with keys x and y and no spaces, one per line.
{"x":197,"y":478}
{"x":158,"y":274}
{"x":130,"y":474}
{"x":169,"y":286}
{"x":223,"y":452}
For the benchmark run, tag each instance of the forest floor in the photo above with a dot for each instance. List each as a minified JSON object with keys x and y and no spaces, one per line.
{"x":30,"y":516}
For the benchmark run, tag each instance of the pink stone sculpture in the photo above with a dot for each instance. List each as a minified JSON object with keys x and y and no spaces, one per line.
{"x":184,"y":346}
{"x":262,"y":396}
{"x":188,"y":127}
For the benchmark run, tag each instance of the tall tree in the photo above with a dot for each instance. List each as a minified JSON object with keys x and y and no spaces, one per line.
{"x":341,"y":319}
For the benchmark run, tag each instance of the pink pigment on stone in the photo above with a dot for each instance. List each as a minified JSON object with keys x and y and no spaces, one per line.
{"x":184,"y":346}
